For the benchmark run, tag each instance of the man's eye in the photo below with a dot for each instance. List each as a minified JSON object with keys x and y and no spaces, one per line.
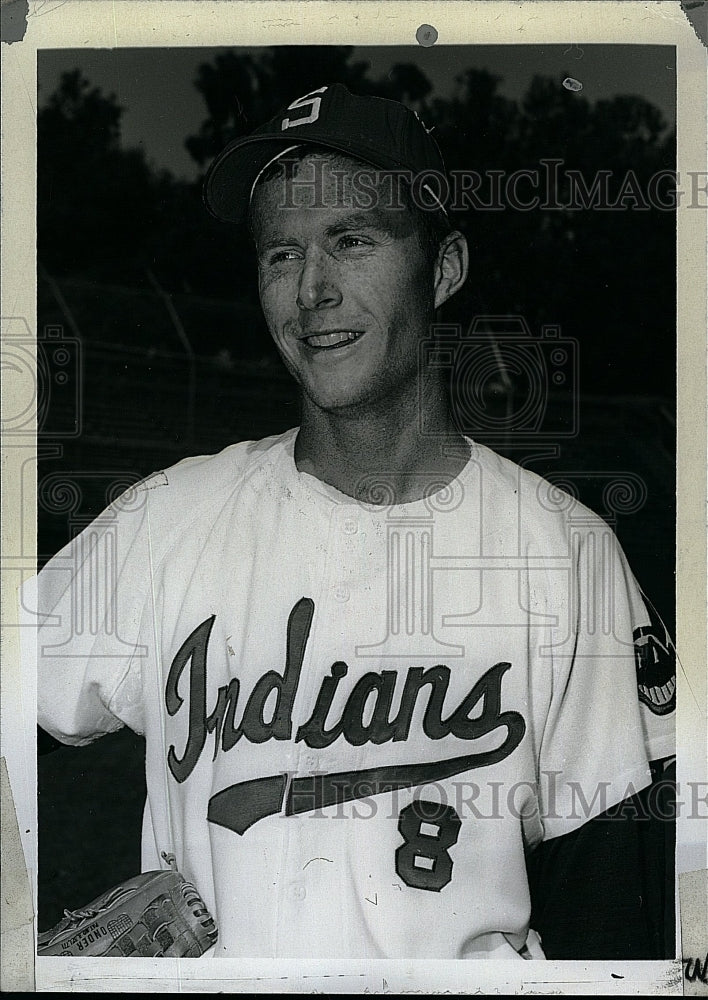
{"x":281,"y":255}
{"x":347,"y":242}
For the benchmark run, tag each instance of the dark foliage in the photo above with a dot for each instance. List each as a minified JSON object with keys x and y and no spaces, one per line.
{"x":607,"y":277}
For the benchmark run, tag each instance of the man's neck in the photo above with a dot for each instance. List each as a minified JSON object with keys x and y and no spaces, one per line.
{"x":382,"y":457}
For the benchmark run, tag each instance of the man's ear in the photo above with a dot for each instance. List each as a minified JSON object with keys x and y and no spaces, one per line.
{"x":451,"y":267}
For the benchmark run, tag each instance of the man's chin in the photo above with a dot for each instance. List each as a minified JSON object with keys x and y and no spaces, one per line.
{"x":346,"y":402}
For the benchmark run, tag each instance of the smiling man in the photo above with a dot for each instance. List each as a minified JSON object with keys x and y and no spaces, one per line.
{"x":349,"y":296}
{"x":390,"y":682}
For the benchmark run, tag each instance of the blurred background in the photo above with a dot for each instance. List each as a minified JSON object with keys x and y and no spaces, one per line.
{"x":152,"y":345}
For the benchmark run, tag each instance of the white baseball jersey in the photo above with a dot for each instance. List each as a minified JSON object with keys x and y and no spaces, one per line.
{"x":359,"y":718}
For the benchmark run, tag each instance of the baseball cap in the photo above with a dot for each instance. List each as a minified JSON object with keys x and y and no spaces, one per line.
{"x":375,"y":130}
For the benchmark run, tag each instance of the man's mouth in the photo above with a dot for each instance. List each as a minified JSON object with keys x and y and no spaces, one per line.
{"x":333,"y":339}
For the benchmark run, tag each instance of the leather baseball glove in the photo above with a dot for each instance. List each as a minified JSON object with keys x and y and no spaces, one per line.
{"x":155,"y":915}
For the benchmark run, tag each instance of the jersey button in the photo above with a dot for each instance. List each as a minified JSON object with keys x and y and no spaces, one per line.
{"x":350,"y":527}
{"x":342,"y":593}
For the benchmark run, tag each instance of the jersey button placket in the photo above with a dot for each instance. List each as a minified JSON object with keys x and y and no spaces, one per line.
{"x":293,"y":883}
{"x":348,"y":527}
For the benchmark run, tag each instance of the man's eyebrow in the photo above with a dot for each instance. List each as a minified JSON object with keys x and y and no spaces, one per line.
{"x":360,"y":220}
{"x":370,"y":220}
{"x":278,"y":241}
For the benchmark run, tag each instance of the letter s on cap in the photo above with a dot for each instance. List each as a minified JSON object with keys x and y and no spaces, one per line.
{"x":308,"y":101}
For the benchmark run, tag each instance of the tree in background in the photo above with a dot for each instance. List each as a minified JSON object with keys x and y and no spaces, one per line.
{"x":94,"y":198}
{"x":607,"y":277}
{"x":105,"y":217}
{"x":535,"y":262}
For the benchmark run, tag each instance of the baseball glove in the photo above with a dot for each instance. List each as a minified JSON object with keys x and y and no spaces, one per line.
{"x":154,"y":915}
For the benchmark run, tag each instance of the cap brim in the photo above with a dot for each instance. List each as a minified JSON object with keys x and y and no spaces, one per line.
{"x":230,"y":178}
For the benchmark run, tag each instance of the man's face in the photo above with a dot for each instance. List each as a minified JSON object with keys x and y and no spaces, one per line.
{"x":346,"y":291}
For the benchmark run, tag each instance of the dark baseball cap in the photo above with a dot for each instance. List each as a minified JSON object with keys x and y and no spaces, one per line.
{"x":375,"y":130}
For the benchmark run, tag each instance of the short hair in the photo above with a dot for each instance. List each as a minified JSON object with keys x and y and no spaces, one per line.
{"x":431,"y":224}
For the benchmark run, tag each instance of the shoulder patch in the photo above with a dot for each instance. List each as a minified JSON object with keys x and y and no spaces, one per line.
{"x":655,"y":658}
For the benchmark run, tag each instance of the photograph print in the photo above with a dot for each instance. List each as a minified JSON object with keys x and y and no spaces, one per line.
{"x":356,"y":501}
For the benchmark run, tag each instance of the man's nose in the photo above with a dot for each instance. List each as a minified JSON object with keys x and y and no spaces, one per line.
{"x":318,"y":288}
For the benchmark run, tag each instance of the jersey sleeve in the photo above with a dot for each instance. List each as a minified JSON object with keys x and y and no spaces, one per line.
{"x":94,"y":608}
{"x":605,"y":891}
{"x":612,"y":707}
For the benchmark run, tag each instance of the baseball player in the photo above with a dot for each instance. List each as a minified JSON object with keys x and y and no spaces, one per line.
{"x":383,"y":674}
